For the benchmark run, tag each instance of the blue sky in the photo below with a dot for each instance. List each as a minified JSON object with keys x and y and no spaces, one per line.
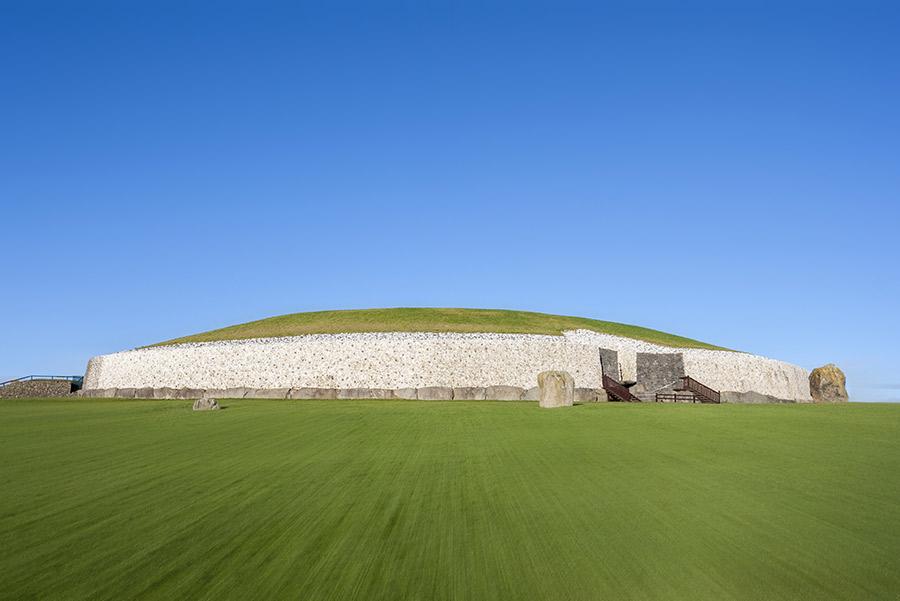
{"x":726,"y":171}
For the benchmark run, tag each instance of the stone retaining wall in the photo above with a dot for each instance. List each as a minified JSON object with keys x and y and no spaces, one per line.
{"x":426,"y":361}
{"x":36,"y":389}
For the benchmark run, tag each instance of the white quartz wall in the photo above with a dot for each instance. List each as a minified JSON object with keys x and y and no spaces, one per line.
{"x":416,"y":360}
{"x":395,"y":360}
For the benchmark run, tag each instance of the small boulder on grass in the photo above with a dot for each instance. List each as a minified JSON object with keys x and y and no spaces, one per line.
{"x":206,"y":404}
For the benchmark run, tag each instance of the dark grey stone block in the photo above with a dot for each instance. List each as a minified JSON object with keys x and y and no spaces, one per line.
{"x":609,"y":362}
{"x":658,"y":371}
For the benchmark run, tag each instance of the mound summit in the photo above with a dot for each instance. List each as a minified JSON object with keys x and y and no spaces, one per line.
{"x":498,"y":321}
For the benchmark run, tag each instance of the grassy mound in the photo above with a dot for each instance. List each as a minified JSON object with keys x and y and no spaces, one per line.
{"x":433,"y":320}
{"x":425,"y":500}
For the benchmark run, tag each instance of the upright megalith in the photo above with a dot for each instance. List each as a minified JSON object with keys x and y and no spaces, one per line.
{"x":557,"y":389}
{"x":827,"y":384}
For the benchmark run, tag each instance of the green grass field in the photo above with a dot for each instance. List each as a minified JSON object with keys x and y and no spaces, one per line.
{"x":436,"y":501}
{"x":433,"y":320}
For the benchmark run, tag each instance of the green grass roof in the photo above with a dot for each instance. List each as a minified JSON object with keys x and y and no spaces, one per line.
{"x":433,"y":320}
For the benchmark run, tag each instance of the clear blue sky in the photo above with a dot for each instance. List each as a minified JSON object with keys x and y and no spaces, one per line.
{"x":726,"y":171}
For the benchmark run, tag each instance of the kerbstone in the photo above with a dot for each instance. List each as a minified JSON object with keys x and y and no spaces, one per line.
{"x":267,"y":393}
{"x":532,"y":394}
{"x":435,"y":393}
{"x":504,"y":393}
{"x":750,"y":398}
{"x":589,"y":395}
{"x":365,"y":393}
{"x":469,"y":393}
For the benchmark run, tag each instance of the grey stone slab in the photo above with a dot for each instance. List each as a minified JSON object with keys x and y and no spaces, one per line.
{"x":435,"y":393}
{"x":313,"y":393}
{"x":750,"y":397}
{"x":504,"y":393}
{"x":469,"y":393}
{"x":365,"y":393}
{"x":405,"y":393}
{"x":532,"y":394}
{"x":267,"y":393}
{"x":588,"y":395}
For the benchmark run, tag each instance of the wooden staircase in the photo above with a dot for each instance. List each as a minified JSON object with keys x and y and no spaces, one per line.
{"x":617,"y":391}
{"x":700,"y":392}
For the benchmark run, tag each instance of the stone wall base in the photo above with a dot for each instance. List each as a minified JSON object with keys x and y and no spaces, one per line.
{"x":430,"y":393}
{"x":753,"y":398}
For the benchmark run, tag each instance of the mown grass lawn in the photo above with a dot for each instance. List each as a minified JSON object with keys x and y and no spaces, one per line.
{"x":417,"y":500}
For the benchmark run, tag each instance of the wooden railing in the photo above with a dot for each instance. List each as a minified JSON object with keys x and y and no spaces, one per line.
{"x":706,"y":394}
{"x":618,"y":392}
{"x":674,"y":397}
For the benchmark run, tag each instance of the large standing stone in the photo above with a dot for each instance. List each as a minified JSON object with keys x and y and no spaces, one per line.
{"x":827,"y":384}
{"x":206,"y":404}
{"x":557,"y":389}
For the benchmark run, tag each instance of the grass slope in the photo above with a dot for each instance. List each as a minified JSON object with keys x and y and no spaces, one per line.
{"x":433,"y":501}
{"x":432,"y":320}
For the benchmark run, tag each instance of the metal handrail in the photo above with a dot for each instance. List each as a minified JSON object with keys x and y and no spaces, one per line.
{"x":79,"y":380}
